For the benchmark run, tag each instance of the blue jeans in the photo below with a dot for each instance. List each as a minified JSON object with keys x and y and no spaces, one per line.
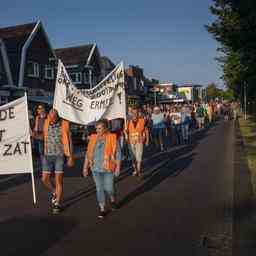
{"x":39,"y":146}
{"x":104,"y":184}
{"x":185,"y":132}
{"x":176,"y":133}
{"x":39,"y":149}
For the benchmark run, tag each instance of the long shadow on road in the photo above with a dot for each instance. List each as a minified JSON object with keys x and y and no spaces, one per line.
{"x":156,"y":177}
{"x":32,"y":235}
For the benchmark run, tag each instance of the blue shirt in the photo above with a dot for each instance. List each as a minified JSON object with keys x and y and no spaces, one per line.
{"x":184,"y":118}
{"x":98,"y":155}
{"x":158,"y":121}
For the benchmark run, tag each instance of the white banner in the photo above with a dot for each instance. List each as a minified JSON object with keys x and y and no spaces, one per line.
{"x":15,"y":145}
{"x":106,"y":100}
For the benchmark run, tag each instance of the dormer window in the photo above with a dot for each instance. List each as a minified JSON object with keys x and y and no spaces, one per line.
{"x":33,"y":69}
{"x":76,"y":77}
{"x":49,"y":72}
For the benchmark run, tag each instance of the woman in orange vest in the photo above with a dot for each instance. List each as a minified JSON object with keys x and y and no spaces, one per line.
{"x":57,"y":144}
{"x":137,"y":135}
{"x":103,"y":159}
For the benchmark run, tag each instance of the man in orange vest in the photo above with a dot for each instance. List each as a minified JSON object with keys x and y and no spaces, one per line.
{"x":137,"y":135}
{"x":57,"y":144}
{"x":103,"y":159}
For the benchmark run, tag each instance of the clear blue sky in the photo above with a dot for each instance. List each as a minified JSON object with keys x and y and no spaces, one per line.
{"x":166,"y":38}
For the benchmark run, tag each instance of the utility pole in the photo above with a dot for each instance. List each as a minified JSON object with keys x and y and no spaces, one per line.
{"x":245,"y":102}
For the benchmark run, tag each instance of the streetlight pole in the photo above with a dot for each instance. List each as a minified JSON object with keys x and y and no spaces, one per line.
{"x":90,"y":78}
{"x":245,"y":102}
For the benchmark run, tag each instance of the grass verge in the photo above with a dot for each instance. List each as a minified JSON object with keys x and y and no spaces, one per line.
{"x":248,"y":131}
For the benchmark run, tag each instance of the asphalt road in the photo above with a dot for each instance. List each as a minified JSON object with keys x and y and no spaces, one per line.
{"x":183,"y":206}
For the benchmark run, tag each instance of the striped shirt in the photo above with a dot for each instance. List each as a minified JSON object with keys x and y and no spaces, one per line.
{"x":54,"y":143}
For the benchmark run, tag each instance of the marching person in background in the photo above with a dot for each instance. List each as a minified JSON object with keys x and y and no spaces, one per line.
{"x":210,"y":112}
{"x":137,"y":135}
{"x":57,"y":144}
{"x":103,"y":159}
{"x":235,"y":109}
{"x":38,"y":137}
{"x":159,"y":127}
{"x":175,"y":117}
{"x":185,"y":121}
{"x":117,"y":127}
{"x":200,"y":116}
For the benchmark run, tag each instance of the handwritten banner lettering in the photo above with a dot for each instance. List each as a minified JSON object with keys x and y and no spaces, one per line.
{"x":105,"y":100}
{"x":15,"y":145}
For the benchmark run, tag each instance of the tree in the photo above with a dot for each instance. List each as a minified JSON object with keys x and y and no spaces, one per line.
{"x":227,"y":95}
{"x":212,"y":92}
{"x":235,"y":29}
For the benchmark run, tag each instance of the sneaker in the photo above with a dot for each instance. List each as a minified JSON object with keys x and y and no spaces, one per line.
{"x":134,"y":173}
{"x":56,"y":209}
{"x":102,"y":214}
{"x":114,"y":206}
{"x":53,"y":198}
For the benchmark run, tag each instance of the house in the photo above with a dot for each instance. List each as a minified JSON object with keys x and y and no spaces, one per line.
{"x":106,"y":66}
{"x":28,"y":58}
{"x":135,"y":85}
{"x":192,"y":92}
{"x":83,"y":63}
{"x":163,"y":92}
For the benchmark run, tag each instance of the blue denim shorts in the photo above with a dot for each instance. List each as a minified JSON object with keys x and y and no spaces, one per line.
{"x":53,"y":164}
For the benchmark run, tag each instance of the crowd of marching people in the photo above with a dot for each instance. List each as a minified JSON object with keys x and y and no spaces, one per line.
{"x":112,"y":141}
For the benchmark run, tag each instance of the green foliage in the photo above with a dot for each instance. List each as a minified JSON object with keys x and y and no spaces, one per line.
{"x":213,"y":92}
{"x":227,"y":95}
{"x":235,"y":29}
{"x":183,"y":94}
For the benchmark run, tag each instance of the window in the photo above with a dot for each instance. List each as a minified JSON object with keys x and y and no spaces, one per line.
{"x":86,"y":77}
{"x":76,"y":77}
{"x":33,"y":69}
{"x":3,"y":100}
{"x":49,"y":72}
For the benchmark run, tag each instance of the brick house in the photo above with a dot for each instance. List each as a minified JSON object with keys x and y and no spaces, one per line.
{"x":135,"y":85}
{"x":29,"y":58}
{"x":83,"y":63}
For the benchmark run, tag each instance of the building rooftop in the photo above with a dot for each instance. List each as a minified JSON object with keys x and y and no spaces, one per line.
{"x":75,"y":55}
{"x":18,"y":31}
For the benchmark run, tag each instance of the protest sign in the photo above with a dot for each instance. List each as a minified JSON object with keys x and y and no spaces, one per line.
{"x":105,"y":100}
{"x":15,"y":144}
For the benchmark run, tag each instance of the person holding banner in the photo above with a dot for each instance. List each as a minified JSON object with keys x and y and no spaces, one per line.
{"x":137,"y":135}
{"x":103,"y":159}
{"x":57,"y":144}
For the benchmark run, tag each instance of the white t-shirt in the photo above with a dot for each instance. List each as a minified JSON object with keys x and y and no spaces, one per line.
{"x":175,"y":117}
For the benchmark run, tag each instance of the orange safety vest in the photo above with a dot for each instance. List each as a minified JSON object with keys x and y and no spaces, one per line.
{"x":109,"y":158}
{"x":65,"y":136}
{"x":136,"y":133}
